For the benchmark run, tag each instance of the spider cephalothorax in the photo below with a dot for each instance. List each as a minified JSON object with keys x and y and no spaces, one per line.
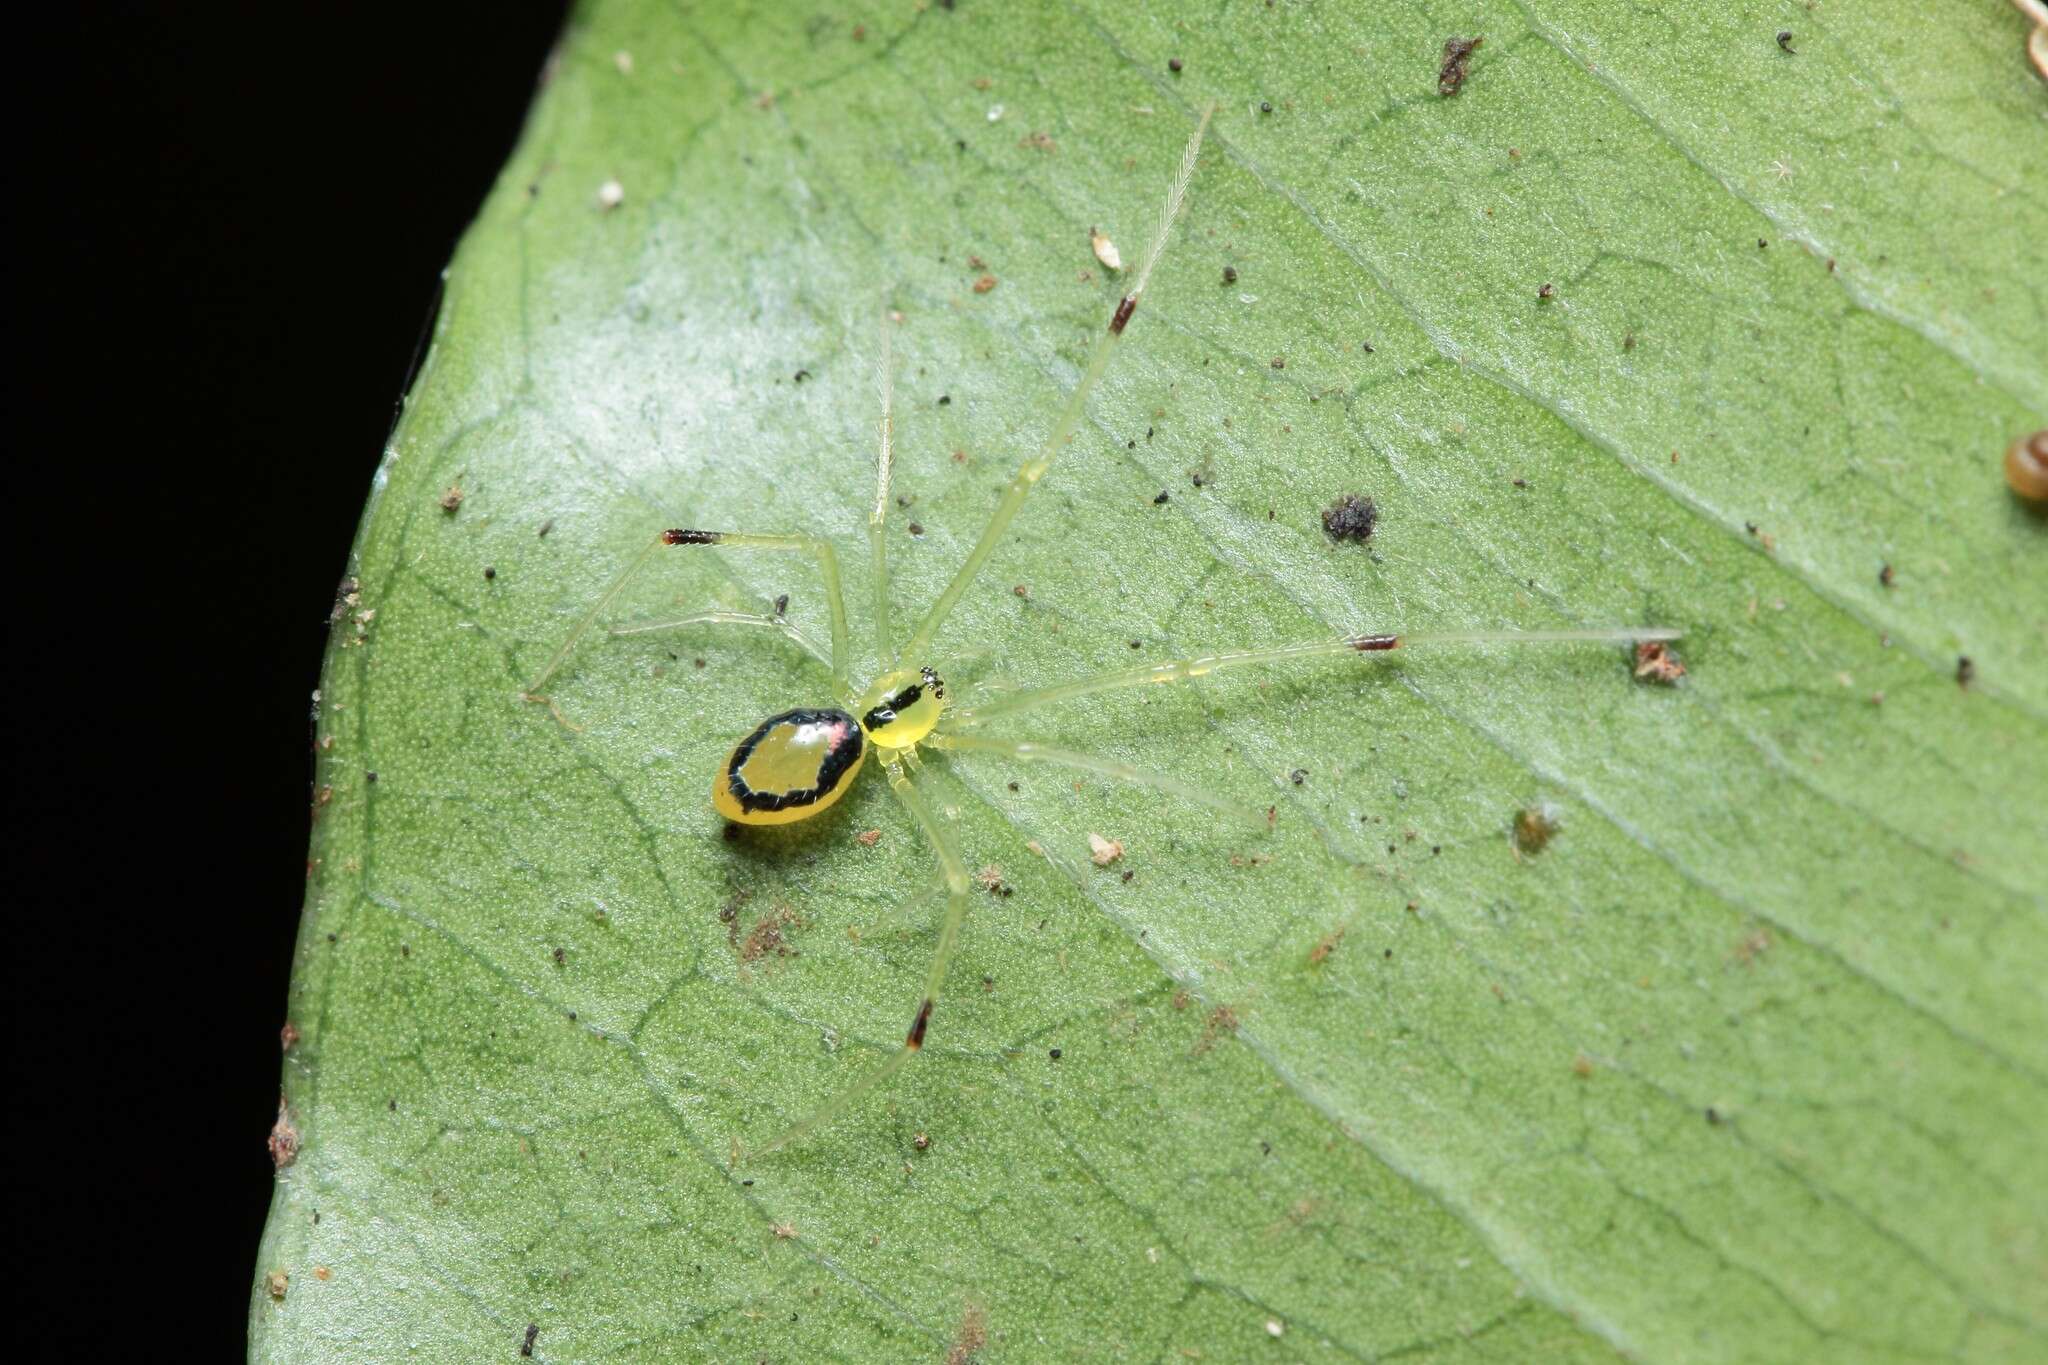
{"x":902,"y":707}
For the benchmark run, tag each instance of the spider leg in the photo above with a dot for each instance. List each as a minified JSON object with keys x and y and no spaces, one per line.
{"x":727,"y":618}
{"x":828,"y":571}
{"x":1028,"y":751}
{"x":1034,"y":468}
{"x":885,"y":458}
{"x":954,"y":868}
{"x":1181,"y":670}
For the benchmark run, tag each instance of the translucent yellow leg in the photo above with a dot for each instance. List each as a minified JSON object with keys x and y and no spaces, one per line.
{"x":954,"y":868}
{"x":1180,"y":670}
{"x":1026,"y":751}
{"x":885,"y":458}
{"x":726,"y":618}
{"x":828,"y":571}
{"x":1034,"y":468}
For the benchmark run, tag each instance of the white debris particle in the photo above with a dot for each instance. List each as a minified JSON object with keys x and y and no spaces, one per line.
{"x":1274,"y":1327}
{"x":1105,"y":250}
{"x":610,"y":195}
{"x":995,"y":113}
{"x":1102,"y":852}
{"x":623,"y":60}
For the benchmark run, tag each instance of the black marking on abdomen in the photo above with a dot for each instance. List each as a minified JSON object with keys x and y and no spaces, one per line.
{"x":679,"y":537}
{"x":1128,"y":306}
{"x":838,"y":762}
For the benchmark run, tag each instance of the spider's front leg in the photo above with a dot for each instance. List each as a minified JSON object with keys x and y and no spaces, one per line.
{"x":828,"y":571}
{"x":1202,"y":665}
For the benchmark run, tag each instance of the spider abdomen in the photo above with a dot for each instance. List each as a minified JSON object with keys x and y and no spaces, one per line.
{"x":791,"y":767}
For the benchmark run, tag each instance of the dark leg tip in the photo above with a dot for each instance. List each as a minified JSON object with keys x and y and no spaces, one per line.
{"x":924,"y":1017}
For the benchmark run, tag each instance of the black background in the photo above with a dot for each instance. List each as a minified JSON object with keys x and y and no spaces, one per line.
{"x":229,"y":246}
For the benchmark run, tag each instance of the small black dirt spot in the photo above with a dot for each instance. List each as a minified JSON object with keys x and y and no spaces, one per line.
{"x":1350,"y":517}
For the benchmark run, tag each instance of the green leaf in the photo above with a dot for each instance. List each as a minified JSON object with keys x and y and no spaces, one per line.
{"x":1749,"y":1061}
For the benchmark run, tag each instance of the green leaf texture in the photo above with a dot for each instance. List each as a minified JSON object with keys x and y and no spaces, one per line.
{"x":1748,"y":1062}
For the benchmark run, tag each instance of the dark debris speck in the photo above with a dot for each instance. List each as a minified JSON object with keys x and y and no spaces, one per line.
{"x":1350,"y":517}
{"x":1450,"y":77}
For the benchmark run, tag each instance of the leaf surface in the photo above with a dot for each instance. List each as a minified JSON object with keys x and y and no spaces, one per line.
{"x":1653,"y":321}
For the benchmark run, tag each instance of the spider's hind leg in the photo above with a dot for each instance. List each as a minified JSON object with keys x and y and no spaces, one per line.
{"x":1029,"y":751}
{"x":954,"y":869}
